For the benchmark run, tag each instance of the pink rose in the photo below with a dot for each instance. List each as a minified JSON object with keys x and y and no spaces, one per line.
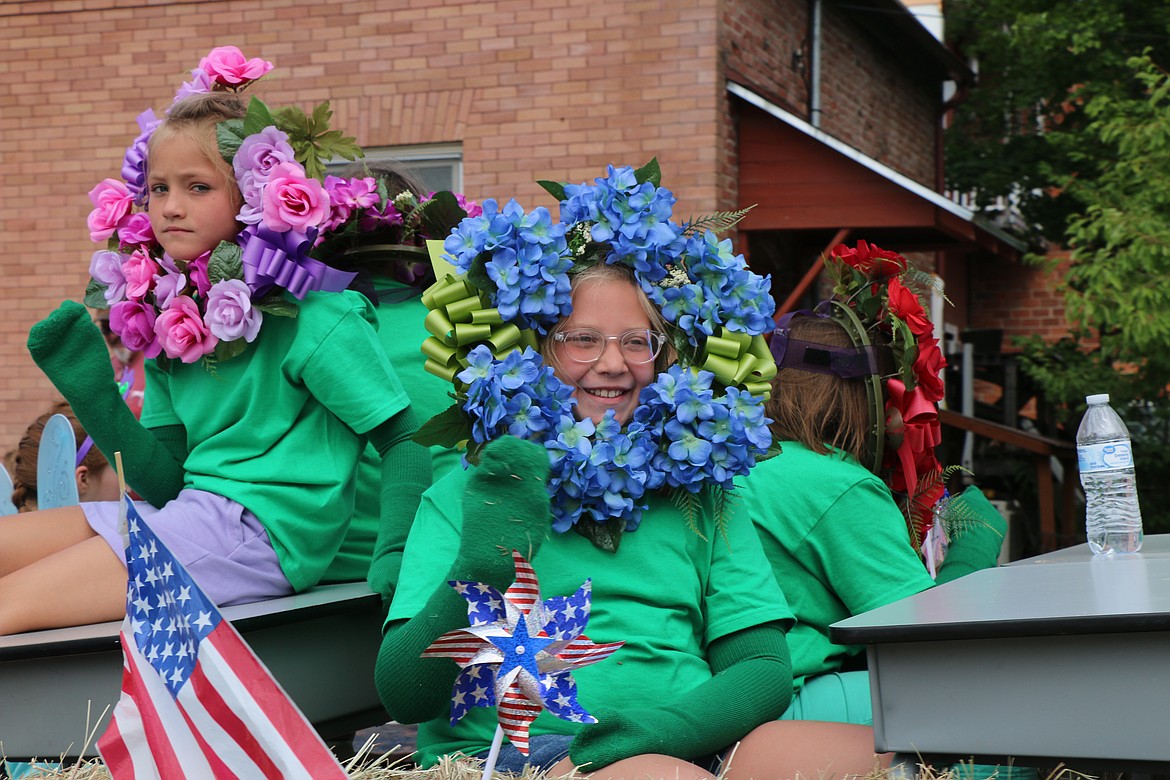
{"x":226,"y":65}
{"x":197,"y":270}
{"x":292,"y":201}
{"x":167,"y":287}
{"x":139,"y":271}
{"x":182,"y":333}
{"x":230,"y":315}
{"x":112,"y":203}
{"x":136,"y":231}
{"x":134,"y":324}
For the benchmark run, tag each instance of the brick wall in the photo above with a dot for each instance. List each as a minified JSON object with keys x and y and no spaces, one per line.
{"x":532,"y":88}
{"x":1033,"y":307}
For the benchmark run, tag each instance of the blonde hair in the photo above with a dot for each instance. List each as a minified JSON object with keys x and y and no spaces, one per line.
{"x":602,"y":272}
{"x":820,"y":410}
{"x":196,"y":117}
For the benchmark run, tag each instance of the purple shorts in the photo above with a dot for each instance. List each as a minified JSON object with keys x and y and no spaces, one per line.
{"x":220,"y":543}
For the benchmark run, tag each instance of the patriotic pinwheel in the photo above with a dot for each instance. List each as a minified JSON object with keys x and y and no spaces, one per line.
{"x":518,"y":653}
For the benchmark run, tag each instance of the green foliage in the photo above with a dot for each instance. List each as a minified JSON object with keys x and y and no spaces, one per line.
{"x":716,"y":223}
{"x":1016,"y":133}
{"x":315,"y":144}
{"x":95,"y":295}
{"x":225,"y":263}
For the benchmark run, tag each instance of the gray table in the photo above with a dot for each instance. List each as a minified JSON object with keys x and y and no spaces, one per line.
{"x":1062,"y":657}
{"x":320,"y":646}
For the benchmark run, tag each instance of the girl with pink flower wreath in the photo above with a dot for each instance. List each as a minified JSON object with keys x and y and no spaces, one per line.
{"x":266,"y":377}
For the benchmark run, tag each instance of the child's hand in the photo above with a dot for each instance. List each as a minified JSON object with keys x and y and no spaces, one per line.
{"x":69,"y":348}
{"x":617,"y":735}
{"x":505,"y":507}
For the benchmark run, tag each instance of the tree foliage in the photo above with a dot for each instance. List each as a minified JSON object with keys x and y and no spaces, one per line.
{"x":1040,"y":62}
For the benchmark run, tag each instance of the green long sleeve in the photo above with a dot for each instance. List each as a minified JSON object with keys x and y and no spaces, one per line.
{"x":505,"y":508}
{"x":406,"y":473}
{"x":752,"y":684}
{"x":69,"y":348}
{"x":976,"y":544}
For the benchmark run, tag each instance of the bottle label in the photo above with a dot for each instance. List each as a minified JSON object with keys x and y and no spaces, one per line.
{"x":1106,"y":456}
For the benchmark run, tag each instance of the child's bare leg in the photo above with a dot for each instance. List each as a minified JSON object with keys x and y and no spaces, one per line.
{"x":649,"y":766}
{"x":84,"y":583}
{"x":808,"y":749}
{"x":30,"y":536}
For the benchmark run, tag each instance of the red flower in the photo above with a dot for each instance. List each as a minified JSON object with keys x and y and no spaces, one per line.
{"x":903,"y":303}
{"x":928,"y":368}
{"x":871,"y":260}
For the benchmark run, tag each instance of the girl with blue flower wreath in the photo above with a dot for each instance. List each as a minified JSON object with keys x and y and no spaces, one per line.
{"x":265,"y":377}
{"x":609,"y":385}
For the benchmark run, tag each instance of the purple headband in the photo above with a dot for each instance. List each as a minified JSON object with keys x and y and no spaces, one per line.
{"x":843,"y":362}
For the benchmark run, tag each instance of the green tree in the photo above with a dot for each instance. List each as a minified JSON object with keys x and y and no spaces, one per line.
{"x":1039,"y":62}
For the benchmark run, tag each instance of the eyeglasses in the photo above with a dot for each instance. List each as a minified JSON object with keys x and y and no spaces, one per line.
{"x":586,"y":345}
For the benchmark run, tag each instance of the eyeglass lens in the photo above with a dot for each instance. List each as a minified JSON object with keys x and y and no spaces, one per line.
{"x":586,"y":345}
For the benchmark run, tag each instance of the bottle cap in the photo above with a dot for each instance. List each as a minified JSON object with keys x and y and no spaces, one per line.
{"x":1099,"y":398}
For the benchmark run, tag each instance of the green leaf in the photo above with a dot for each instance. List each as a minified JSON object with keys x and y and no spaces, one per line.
{"x":650,"y":172}
{"x":604,"y":536}
{"x":554,"y":188}
{"x":478,"y":274}
{"x":95,"y":295}
{"x":229,"y":135}
{"x":446,"y":429}
{"x":717,"y":223}
{"x":276,"y":305}
{"x":257,"y":118}
{"x":226,"y":350}
{"x":225,"y":263}
{"x":437,"y":216}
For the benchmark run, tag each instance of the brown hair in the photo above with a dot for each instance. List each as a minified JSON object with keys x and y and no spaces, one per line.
{"x":195,"y":117}
{"x":819,"y":410}
{"x":24,"y":468}
{"x":618,"y":273}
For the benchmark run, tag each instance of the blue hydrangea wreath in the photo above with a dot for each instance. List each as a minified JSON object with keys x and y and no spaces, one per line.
{"x":699,"y":424}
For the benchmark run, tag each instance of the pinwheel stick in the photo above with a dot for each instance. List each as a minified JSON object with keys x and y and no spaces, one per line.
{"x":489,"y":765}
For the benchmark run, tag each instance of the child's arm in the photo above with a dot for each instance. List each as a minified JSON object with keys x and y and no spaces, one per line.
{"x":505,"y":508}
{"x":406,"y":473}
{"x":70,"y":349}
{"x":978,"y":543}
{"x":752,"y":685}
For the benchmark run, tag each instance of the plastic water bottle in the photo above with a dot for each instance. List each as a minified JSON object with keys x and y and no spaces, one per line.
{"x":1113,"y":519}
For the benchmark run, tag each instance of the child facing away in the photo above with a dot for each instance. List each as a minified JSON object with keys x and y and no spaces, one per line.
{"x":94,"y":478}
{"x":262,"y":391}
{"x":388,"y":254}
{"x":616,"y":477}
{"x":831,"y":529}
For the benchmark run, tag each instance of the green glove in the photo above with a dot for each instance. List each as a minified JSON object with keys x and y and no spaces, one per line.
{"x":505,"y":507}
{"x":976,"y":542}
{"x":406,"y":473}
{"x":69,"y":348}
{"x":752,"y":685}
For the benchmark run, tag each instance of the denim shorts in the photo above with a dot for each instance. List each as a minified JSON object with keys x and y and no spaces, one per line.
{"x":545,"y":750}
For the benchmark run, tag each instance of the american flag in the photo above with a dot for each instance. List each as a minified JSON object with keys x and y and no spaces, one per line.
{"x":196,"y":702}
{"x":518,"y":652}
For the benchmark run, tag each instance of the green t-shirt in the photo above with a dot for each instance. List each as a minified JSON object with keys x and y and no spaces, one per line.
{"x":667,"y":593}
{"x":277,"y":427}
{"x":837,"y":544}
{"x":400,"y":328}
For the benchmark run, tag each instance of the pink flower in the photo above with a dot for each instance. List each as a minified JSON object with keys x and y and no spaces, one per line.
{"x":134,"y":324}
{"x":182,"y":333}
{"x":226,"y":65}
{"x":197,"y":270}
{"x":136,"y":231}
{"x":167,"y":287}
{"x":292,"y":201}
{"x":346,"y":196}
{"x":472,"y":208}
{"x":139,"y":270}
{"x":112,"y":203}
{"x":230,"y":315}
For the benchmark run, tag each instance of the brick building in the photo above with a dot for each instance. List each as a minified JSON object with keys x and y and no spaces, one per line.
{"x":827,"y":114}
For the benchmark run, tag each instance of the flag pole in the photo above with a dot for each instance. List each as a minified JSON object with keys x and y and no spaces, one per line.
{"x":122,"y":498}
